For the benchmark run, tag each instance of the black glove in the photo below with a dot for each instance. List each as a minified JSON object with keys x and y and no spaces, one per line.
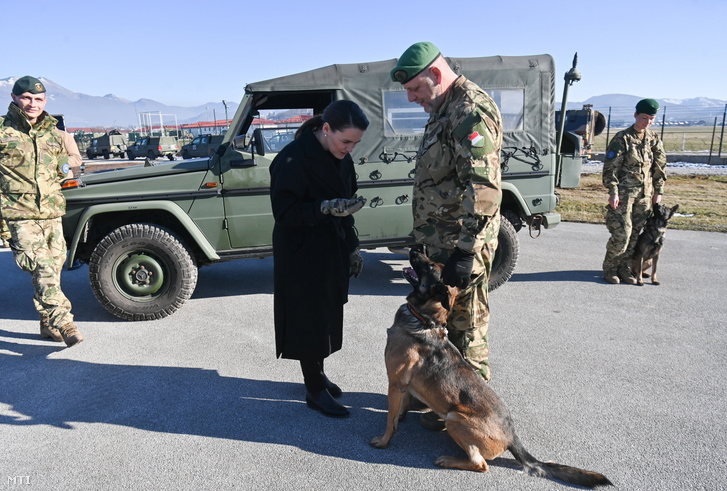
{"x":457,"y":270}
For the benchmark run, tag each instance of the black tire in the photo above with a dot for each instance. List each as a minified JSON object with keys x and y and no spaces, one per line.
{"x":130,"y":155}
{"x":151,"y":155}
{"x":170,"y":156}
{"x":106,"y":154}
{"x":90,"y":154}
{"x":142,"y":271}
{"x":185,"y":155}
{"x":122,"y":155}
{"x":506,"y":256}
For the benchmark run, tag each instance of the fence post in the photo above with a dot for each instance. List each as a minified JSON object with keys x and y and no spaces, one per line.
{"x":608,"y":129}
{"x":711,"y":145}
{"x":663,"y":119}
{"x":721,"y":136}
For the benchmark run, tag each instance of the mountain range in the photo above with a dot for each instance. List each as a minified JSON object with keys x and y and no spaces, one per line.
{"x":109,"y":111}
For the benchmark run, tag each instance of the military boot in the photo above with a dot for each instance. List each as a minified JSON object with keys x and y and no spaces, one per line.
{"x":48,"y":332}
{"x":71,"y":334}
{"x":626,"y":277}
{"x":611,"y":277}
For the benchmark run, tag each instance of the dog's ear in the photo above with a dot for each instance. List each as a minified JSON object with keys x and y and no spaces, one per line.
{"x":441,"y":293}
{"x":673,"y":210}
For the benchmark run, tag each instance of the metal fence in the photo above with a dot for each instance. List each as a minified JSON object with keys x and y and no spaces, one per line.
{"x":683,"y":129}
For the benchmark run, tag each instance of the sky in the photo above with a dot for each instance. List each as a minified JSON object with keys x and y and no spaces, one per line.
{"x":189,"y":53}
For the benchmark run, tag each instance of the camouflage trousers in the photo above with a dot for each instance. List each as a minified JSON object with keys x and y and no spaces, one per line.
{"x":625,"y":224}
{"x":40,"y":249}
{"x":469,"y":321}
{"x":4,"y":229}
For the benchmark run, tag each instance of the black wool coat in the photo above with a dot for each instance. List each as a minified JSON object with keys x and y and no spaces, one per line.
{"x":311,"y":250}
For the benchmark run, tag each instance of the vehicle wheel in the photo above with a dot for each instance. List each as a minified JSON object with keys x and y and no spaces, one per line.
{"x":89,"y":154}
{"x":185,"y":155}
{"x":142,"y":272}
{"x":506,"y":256}
{"x":151,"y":155}
{"x":121,"y":155}
{"x":130,"y":155}
{"x":513,"y":218}
{"x":170,"y":156}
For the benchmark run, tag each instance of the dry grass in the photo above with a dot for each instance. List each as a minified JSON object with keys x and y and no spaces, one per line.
{"x":703,"y":196}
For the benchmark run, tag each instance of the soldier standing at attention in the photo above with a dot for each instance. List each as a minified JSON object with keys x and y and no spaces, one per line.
{"x":32,"y":165}
{"x":634,"y":173}
{"x":457,"y":189}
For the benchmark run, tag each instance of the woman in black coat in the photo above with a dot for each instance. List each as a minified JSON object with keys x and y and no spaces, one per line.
{"x":315,"y":247}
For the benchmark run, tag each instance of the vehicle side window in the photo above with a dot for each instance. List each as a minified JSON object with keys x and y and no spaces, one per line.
{"x":402,"y":117}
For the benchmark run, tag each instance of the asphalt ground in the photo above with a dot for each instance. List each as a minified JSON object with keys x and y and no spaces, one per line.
{"x":625,"y":380}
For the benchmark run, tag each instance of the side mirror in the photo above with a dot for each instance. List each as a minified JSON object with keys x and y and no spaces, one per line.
{"x":258,"y":141}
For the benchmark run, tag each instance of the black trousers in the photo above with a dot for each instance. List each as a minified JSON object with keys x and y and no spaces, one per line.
{"x":313,"y":375}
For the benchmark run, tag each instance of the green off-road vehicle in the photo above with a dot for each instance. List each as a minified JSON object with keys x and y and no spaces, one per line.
{"x":202,"y":146}
{"x":144,"y":231}
{"x":111,"y":143}
{"x":152,"y":147}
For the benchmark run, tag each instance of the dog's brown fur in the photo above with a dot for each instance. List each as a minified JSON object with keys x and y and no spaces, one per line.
{"x":422,"y":362}
{"x":650,"y":243}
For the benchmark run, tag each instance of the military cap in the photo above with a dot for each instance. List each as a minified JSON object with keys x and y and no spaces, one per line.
{"x":28,"y":84}
{"x":414,"y":60}
{"x":647,"y":106}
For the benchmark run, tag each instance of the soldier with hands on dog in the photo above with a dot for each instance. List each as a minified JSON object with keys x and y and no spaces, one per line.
{"x":634,"y":173}
{"x":457,"y":189}
{"x":33,"y":163}
{"x":315,"y":245}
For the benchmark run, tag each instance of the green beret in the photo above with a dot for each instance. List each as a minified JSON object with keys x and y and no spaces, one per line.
{"x":647,"y":106}
{"x":414,"y":60}
{"x":28,"y":84}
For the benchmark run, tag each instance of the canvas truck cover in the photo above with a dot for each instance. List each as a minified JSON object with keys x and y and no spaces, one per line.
{"x":522,"y":86}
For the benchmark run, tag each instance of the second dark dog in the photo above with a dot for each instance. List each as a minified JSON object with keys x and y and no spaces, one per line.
{"x":422,"y":362}
{"x":651,"y":242}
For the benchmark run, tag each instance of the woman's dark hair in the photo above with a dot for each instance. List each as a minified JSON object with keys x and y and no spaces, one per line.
{"x":339,"y":115}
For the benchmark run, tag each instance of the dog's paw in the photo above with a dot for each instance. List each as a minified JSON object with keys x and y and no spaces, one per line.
{"x":640,"y":283}
{"x":378,"y":442}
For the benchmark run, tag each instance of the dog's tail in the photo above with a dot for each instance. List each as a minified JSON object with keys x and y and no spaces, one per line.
{"x":564,"y":473}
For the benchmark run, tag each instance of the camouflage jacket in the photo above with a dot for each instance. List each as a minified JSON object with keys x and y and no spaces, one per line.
{"x":32,"y":165}
{"x":632,"y":163}
{"x":457,"y":181}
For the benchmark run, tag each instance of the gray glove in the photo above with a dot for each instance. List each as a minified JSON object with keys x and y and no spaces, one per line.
{"x":356,"y":262}
{"x":342,"y":207}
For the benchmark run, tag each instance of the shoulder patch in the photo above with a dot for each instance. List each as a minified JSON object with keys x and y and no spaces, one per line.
{"x":66,"y":168}
{"x":611,"y":154}
{"x":474,"y":135}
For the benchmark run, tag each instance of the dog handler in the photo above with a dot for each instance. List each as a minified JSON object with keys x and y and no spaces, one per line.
{"x":634,"y":173}
{"x":33,"y":163}
{"x":315,"y":245}
{"x":457,"y":189}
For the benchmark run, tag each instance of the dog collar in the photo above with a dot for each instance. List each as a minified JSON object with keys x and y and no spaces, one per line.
{"x":416,"y":314}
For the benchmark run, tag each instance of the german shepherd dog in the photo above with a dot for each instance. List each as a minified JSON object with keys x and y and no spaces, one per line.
{"x":650,"y":243}
{"x":423,"y":363}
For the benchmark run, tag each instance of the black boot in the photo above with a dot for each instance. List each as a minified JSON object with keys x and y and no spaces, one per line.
{"x":333,"y":389}
{"x":323,"y":401}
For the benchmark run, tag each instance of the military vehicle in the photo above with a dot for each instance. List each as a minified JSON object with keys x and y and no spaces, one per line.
{"x":153,"y":147}
{"x":202,"y":146}
{"x":110,"y":143}
{"x":144,"y":231}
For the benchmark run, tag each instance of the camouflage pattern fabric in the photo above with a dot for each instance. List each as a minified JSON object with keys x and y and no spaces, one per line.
{"x":456,"y":203}
{"x":633,"y":162}
{"x":635,"y":170}
{"x":4,"y":230}
{"x":625,"y":224}
{"x":33,"y":163}
{"x":40,"y":249}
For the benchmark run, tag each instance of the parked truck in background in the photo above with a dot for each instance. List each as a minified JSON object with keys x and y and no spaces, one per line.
{"x":145,"y":231}
{"x":110,"y":143}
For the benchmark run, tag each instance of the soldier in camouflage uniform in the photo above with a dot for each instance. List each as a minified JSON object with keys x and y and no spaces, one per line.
{"x":634,"y":173}
{"x":32,"y":166}
{"x":457,"y":189}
